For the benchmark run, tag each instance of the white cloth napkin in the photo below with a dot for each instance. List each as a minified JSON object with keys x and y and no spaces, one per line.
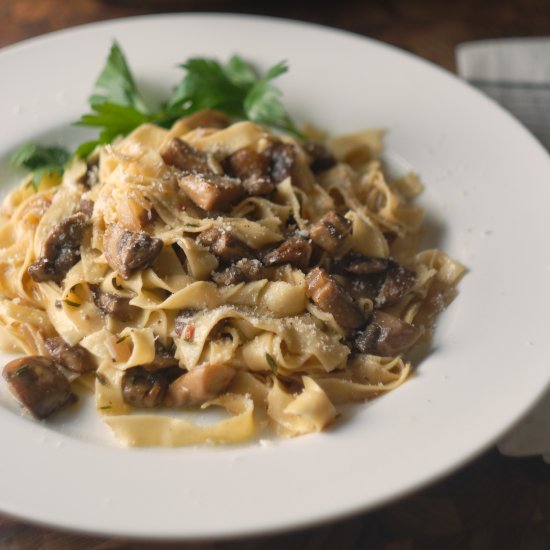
{"x":516,"y":73}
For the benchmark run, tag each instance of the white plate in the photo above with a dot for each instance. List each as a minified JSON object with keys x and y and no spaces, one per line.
{"x":487,"y":195}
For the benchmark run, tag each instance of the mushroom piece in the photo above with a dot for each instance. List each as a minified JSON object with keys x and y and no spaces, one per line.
{"x":321,"y":157}
{"x":295,"y":251}
{"x":180,"y":154}
{"x":38,"y":384}
{"x":330,"y":231}
{"x":201,"y":384}
{"x":357,"y":264}
{"x":399,"y":280}
{"x":129,"y":251}
{"x":386,"y":335}
{"x":244,"y":271}
{"x":111,"y":304}
{"x":144,"y":388}
{"x":252,"y":169}
{"x":331,"y":297}
{"x":75,"y":358}
{"x":282,"y":157}
{"x":223,"y":244}
{"x":210,"y":191}
{"x":206,"y":118}
{"x":60,"y":250}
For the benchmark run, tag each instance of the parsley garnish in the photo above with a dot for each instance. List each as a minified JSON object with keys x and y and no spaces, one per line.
{"x":118,"y":107}
{"x":271,"y":362}
{"x":121,"y":339}
{"x":234,"y":88}
{"x":71,"y":303}
{"x":40,"y":160}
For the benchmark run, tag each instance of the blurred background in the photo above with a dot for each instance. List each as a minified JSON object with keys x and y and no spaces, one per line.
{"x":495,"y":502}
{"x":429,"y":28}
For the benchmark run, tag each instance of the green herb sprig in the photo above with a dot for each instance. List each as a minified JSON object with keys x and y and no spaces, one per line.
{"x":41,"y":160}
{"x":234,"y":88}
{"x":118,"y":107}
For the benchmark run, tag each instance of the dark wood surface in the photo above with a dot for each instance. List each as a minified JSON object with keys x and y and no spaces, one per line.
{"x":493,"y":503}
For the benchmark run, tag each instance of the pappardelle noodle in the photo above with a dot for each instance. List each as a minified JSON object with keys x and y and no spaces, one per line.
{"x":216,"y":265}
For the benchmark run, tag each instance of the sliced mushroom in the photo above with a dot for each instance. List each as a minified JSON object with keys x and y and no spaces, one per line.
{"x":321,"y":157}
{"x":212,"y":192}
{"x":358,"y":264}
{"x":75,"y":358}
{"x":386,"y":336}
{"x":252,"y":169}
{"x":60,"y":250}
{"x":399,"y":280}
{"x":331,"y":297}
{"x":180,"y":154}
{"x":87,"y":207}
{"x":206,"y":118}
{"x":111,"y":304}
{"x":129,"y":251}
{"x":282,"y":157}
{"x":38,"y":384}
{"x":201,"y":384}
{"x":144,"y":388}
{"x":243,"y":271}
{"x":223,"y":244}
{"x":295,"y":251}
{"x":330,"y":231}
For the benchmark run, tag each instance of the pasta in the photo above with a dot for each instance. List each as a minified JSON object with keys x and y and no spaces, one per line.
{"x":217,"y":267}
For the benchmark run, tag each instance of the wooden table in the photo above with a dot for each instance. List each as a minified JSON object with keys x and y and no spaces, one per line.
{"x":495,"y":502}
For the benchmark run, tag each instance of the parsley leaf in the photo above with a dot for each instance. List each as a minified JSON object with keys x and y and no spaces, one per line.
{"x":115,"y":120}
{"x":234,"y":88}
{"x":41,"y":160}
{"x":116,"y":84}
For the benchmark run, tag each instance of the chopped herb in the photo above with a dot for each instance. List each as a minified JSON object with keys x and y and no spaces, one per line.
{"x":102,"y":379}
{"x":71,"y":303}
{"x":271,"y":362}
{"x":121,"y":339}
{"x":41,"y":160}
{"x":105,"y":407}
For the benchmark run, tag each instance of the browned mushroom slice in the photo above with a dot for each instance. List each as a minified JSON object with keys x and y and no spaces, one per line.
{"x":180,"y":154}
{"x":111,"y":304}
{"x":330,"y":231}
{"x":60,"y":250}
{"x":362,"y":265}
{"x":321,"y":157}
{"x":144,"y":388}
{"x":253,"y":170}
{"x":87,"y":207}
{"x":222,"y":243}
{"x":129,"y":251}
{"x":295,"y":251}
{"x":245,"y":163}
{"x":244,"y":271}
{"x":201,"y":384}
{"x":399,"y":280}
{"x":75,"y":358}
{"x":363,"y":287}
{"x":38,"y":384}
{"x":331,"y":297}
{"x":207,"y":118}
{"x":386,"y":335}
{"x":211,"y":192}
{"x":282,"y":157}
